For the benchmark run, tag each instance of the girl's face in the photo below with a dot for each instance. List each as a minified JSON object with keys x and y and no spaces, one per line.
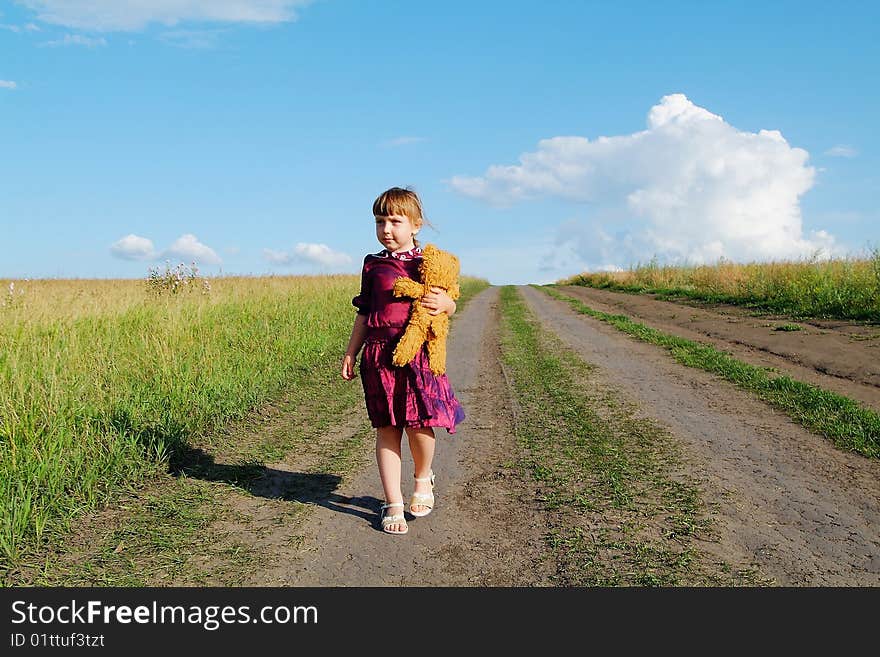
{"x":395,"y":232}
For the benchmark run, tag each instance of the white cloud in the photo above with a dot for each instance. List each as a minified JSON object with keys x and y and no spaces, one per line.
{"x":8,"y":84}
{"x":77,"y":40}
{"x":193,"y":39}
{"x":30,"y":27}
{"x":128,"y":15}
{"x":842,"y":150}
{"x":133,"y":247}
{"x":404,"y":141}
{"x":189,"y":249}
{"x":314,"y":254}
{"x":277,"y":257}
{"x":691,"y":187}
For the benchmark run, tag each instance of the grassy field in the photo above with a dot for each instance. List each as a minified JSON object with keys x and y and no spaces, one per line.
{"x":102,"y":382}
{"x":840,"y":288}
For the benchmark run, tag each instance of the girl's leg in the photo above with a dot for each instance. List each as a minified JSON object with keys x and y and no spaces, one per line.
{"x":388,"y":460}
{"x":421,"y":444}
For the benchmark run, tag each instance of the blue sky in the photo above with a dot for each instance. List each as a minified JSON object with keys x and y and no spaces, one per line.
{"x":545,"y":138}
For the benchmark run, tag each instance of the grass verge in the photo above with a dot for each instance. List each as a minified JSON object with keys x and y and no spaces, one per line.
{"x":618,"y":507}
{"x":843,"y":420}
{"x":185,"y":526}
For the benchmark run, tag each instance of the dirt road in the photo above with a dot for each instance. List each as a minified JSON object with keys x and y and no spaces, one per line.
{"x":787,"y":502}
{"x":838,"y":355}
{"x":483,"y":531}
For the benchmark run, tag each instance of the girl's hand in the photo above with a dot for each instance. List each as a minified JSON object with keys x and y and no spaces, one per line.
{"x":348,"y":367}
{"x":437,"y":301}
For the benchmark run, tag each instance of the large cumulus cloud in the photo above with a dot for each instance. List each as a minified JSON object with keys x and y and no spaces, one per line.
{"x":690,"y":187}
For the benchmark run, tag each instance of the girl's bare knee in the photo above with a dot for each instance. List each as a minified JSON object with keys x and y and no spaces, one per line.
{"x":420,"y":432}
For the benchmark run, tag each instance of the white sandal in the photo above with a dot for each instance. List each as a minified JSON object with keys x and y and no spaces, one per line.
{"x":394,"y":519}
{"x":423,"y":499}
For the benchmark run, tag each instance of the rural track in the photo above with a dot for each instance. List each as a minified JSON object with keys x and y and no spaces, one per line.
{"x":788,"y":502}
{"x":838,"y":355}
{"x":482,"y":531}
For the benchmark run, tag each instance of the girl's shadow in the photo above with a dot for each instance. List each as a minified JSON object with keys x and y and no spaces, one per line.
{"x":316,"y":488}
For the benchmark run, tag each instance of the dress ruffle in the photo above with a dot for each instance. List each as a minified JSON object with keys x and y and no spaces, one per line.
{"x":408,"y":396}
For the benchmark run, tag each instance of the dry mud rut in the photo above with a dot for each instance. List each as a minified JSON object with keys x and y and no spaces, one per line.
{"x":789,"y":503}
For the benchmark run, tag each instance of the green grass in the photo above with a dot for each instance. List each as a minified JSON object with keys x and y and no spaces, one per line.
{"x":160,"y":536}
{"x":829,"y":414}
{"x":846,"y":288}
{"x":93,"y":401}
{"x":617,"y":509}
{"x":788,"y":327}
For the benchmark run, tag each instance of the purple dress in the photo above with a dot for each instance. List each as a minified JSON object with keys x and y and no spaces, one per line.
{"x":407,"y":396}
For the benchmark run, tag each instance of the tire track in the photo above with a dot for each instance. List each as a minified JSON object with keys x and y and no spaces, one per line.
{"x":843,"y":359}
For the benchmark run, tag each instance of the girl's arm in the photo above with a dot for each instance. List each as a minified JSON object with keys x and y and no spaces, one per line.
{"x":355,"y":342}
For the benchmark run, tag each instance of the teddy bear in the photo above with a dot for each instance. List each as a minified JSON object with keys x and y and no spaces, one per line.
{"x":437,"y":269}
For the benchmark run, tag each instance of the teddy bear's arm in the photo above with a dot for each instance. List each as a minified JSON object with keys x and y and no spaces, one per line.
{"x":407,"y":287}
{"x":454,"y":291}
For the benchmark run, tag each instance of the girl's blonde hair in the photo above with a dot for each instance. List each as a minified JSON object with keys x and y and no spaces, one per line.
{"x":398,"y":200}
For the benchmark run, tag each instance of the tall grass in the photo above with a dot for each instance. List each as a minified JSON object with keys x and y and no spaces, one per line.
{"x":845,"y":288}
{"x":100,"y":380}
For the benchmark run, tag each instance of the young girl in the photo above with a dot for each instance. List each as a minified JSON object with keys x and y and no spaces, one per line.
{"x":410,"y":398}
